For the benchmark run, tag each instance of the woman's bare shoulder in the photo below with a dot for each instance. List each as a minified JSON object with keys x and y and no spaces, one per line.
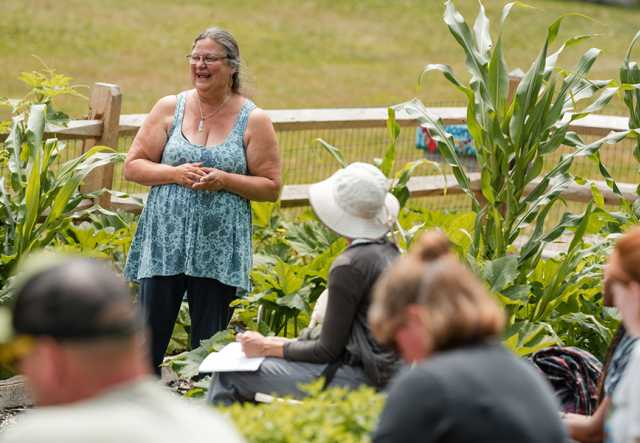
{"x":166,"y":105}
{"x":162,"y":112}
{"x":259,"y":122}
{"x":259,"y":116}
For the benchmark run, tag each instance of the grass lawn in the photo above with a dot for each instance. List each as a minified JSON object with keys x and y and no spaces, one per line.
{"x":297,"y":53}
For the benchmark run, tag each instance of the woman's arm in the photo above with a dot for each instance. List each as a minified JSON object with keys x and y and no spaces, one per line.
{"x":143,"y":159}
{"x":263,"y":160}
{"x":344,"y":297}
{"x":345,"y":294}
{"x":255,"y":344}
{"x":588,"y":429}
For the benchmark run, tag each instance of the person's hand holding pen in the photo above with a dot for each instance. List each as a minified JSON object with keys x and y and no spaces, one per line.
{"x":255,"y":344}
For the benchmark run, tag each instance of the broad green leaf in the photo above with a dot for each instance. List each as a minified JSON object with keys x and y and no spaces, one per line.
{"x":525,"y":338}
{"x":598,"y":198}
{"x":635,"y":39}
{"x":517,"y":294}
{"x":482,"y":33}
{"x":262,"y":212}
{"x":553,"y":58}
{"x":498,"y":80}
{"x":393,"y":130}
{"x":487,"y":188}
{"x":475,"y":61}
{"x":31,"y":201}
{"x":501,"y":272}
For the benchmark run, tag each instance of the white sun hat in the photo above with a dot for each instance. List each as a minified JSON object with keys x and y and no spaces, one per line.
{"x":354,"y":202}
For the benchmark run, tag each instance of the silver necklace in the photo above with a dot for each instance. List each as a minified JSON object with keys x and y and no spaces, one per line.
{"x":203,"y":117}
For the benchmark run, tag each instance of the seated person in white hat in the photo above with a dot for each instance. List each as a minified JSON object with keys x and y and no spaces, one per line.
{"x":354,"y":203}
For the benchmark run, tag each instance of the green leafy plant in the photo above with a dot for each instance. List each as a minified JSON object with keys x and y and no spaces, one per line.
{"x":39,"y":198}
{"x":186,"y":364}
{"x":44,"y":86}
{"x":99,"y":233}
{"x":291,"y":266}
{"x":561,"y":301}
{"x":333,"y":416}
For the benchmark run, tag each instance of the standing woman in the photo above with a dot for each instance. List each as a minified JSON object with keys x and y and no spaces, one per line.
{"x":206,"y":153}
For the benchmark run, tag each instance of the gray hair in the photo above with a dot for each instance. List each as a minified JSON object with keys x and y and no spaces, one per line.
{"x":231,"y":49}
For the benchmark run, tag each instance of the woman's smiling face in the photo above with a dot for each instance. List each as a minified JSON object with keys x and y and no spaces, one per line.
{"x":213,"y":74}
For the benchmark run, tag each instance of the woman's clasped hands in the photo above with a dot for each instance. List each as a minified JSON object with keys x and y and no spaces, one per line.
{"x":213,"y":180}
{"x":196,"y":176}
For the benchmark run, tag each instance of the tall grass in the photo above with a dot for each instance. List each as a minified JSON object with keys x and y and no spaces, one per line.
{"x":298,"y":53}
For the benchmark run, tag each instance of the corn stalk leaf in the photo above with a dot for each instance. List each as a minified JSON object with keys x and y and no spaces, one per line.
{"x":333,"y":151}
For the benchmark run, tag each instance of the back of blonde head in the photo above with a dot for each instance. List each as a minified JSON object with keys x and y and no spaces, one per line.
{"x":398,"y":286}
{"x":628,"y":251}
{"x":458,"y":309}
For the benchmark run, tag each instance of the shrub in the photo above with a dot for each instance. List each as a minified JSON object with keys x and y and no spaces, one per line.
{"x":333,"y":416}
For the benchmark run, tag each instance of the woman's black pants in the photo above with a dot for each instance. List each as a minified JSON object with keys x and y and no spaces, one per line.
{"x":161,"y":297}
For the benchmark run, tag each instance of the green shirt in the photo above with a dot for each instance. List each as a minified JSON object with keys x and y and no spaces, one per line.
{"x":140,"y":412}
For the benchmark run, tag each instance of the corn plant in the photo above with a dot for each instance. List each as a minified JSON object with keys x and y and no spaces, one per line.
{"x":630,"y":82}
{"x":513,"y":138}
{"x":630,"y":77}
{"x":38,"y":199}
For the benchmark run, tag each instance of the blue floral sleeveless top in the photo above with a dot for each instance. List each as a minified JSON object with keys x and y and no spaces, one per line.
{"x":195,"y":232}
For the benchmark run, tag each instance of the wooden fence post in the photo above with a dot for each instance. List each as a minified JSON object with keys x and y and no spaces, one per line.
{"x":105,"y":104}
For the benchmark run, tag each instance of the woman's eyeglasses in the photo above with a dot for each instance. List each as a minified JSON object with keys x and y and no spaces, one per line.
{"x":207,"y":59}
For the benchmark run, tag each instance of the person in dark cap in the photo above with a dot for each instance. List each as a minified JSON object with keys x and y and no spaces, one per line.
{"x":83,"y":355}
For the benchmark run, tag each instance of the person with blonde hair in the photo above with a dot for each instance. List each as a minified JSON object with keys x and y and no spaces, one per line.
{"x":464,"y":385}
{"x":623,"y":287}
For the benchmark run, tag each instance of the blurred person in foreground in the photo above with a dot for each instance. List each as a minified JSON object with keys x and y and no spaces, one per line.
{"x":355,"y":203}
{"x":622,"y":424}
{"x":83,"y":355}
{"x":463,"y":385}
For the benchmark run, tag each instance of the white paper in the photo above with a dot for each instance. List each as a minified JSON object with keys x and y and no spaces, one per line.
{"x":230,"y":359}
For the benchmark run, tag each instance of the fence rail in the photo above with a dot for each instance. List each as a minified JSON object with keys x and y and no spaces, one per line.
{"x":360,"y":132}
{"x":336,"y":118}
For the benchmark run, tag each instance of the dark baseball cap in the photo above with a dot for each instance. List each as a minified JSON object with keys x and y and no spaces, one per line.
{"x":72,"y":298}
